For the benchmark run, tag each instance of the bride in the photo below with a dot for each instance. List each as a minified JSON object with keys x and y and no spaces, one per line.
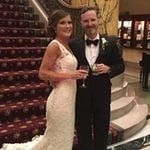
{"x":58,"y":66}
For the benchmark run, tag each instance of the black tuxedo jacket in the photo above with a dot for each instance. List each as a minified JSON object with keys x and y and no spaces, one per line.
{"x":109,"y":54}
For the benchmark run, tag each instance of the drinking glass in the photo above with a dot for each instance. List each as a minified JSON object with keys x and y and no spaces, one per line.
{"x":86,"y":68}
{"x":94,"y":69}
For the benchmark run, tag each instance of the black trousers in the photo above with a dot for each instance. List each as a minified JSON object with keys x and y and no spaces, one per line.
{"x":92,"y":122}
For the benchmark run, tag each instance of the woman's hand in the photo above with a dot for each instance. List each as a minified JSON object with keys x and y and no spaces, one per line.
{"x":80,"y":74}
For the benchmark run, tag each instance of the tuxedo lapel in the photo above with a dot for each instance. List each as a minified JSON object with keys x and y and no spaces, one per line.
{"x":101,"y":50}
{"x":82,"y":51}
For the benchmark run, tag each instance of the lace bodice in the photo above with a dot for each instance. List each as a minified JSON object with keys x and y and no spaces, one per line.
{"x":66,"y":61}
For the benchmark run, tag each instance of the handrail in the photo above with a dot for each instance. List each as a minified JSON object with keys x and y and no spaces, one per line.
{"x":65,"y":4}
{"x":43,"y":3}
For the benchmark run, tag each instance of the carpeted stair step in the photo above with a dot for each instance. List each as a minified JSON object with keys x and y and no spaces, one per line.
{"x":19,"y":91}
{"x":18,"y":2}
{"x":18,"y":15}
{"x":132,"y":121}
{"x":22,"y":130}
{"x":16,"y":64}
{"x":11,"y":110}
{"x":19,"y":32}
{"x":14,"y":7}
{"x":21,"y":52}
{"x":24,"y":41}
{"x":21,"y":23}
{"x":13,"y":77}
{"x":122,"y":106}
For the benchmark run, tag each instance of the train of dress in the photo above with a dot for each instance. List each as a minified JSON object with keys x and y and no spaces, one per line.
{"x":22,"y":146}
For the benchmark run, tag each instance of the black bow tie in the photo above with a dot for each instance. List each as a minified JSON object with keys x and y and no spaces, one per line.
{"x":89,"y":42}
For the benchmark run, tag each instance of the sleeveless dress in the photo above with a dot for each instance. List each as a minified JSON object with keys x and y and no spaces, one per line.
{"x":60,"y":111}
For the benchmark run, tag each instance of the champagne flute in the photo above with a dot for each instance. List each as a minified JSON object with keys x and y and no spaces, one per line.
{"x":86,"y":68}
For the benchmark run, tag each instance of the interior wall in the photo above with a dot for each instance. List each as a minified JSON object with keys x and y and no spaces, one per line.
{"x":134,"y":6}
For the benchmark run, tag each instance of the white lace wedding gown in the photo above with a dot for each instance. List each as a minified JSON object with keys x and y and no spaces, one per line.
{"x":60,"y":111}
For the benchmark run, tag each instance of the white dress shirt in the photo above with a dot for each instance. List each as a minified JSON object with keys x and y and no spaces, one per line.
{"x":92,"y":51}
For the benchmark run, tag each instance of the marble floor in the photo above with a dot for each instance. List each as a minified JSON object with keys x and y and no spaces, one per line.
{"x":131,"y":75}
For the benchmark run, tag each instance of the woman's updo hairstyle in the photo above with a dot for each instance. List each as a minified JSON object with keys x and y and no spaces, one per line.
{"x":53,"y":21}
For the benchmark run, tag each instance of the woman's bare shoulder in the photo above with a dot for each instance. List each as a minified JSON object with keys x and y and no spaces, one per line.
{"x":53,"y":49}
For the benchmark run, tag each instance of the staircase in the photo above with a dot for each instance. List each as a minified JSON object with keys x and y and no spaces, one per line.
{"x":23,"y":39}
{"x":126,"y":113}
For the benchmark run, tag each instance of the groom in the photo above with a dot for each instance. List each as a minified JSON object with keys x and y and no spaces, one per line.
{"x":93,"y":102}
